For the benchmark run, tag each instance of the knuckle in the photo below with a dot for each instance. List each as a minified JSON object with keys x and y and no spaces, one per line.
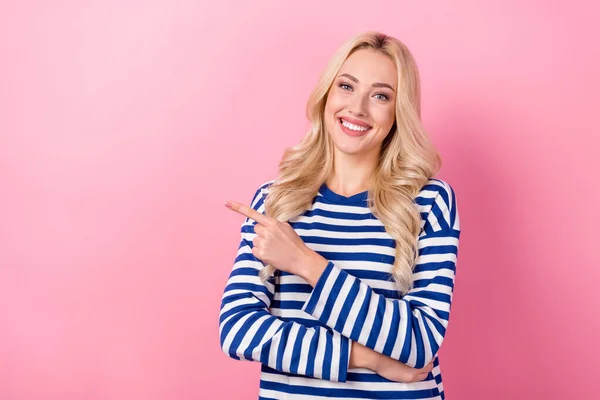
{"x":273,"y":223}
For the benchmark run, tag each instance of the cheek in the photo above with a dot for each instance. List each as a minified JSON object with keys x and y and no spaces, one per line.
{"x":332,"y":107}
{"x":335,"y":102}
{"x":385,"y":118}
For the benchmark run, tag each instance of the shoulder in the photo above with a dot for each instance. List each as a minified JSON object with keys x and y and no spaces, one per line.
{"x":439,"y":190}
{"x":262,"y":190}
{"x":438,"y":198}
{"x":260,"y":195}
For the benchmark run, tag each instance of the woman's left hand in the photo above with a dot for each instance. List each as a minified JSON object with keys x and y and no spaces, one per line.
{"x":277,"y":243}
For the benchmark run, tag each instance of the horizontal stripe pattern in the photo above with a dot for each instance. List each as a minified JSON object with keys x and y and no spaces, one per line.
{"x":307,"y":332}
{"x":248,"y":331}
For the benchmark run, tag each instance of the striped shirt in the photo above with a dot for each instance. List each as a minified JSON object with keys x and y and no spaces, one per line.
{"x":302,"y":335}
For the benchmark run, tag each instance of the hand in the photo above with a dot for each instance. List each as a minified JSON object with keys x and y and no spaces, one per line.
{"x":394,"y":370}
{"x":364,"y":357}
{"x":276,"y":243}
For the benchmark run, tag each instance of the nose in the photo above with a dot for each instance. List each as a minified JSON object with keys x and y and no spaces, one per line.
{"x":357,"y":107}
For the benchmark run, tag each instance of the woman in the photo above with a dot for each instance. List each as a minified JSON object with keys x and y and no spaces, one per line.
{"x":344,"y":276}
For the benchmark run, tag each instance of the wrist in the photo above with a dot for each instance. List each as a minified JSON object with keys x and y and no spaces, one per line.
{"x":312,"y":267}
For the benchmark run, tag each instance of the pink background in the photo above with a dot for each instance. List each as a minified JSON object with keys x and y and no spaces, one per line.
{"x":124,"y":127}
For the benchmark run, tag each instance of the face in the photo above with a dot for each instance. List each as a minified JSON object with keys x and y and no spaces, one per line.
{"x":360,"y":107}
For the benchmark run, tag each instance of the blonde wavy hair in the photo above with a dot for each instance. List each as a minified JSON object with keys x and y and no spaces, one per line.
{"x":407,"y":161}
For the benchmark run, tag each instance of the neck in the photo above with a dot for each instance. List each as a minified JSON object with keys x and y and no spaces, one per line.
{"x":351,"y":173}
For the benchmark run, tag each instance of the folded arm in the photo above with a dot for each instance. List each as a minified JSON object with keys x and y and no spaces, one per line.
{"x":411,"y":329}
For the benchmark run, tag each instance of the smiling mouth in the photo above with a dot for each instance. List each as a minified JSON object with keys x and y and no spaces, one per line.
{"x":353,"y":126}
{"x":353,"y":129}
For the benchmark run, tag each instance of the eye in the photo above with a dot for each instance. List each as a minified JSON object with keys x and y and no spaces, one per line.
{"x":345,"y":86}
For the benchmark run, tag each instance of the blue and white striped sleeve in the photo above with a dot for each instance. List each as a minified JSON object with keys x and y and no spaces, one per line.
{"x":249,"y":332}
{"x":410,"y":329}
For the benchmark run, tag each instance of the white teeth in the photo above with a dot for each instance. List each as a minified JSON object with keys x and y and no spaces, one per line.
{"x":353,"y":127}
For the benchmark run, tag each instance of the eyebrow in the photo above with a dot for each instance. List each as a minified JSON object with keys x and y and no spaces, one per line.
{"x":376,"y":84}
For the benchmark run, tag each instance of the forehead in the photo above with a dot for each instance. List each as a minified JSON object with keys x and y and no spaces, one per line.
{"x":370,"y":66}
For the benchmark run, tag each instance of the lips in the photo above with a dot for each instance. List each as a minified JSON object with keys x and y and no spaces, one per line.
{"x":351,"y":132}
{"x":355,"y":122}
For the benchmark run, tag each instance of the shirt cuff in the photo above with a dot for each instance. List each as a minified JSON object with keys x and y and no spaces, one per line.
{"x":320,"y":293}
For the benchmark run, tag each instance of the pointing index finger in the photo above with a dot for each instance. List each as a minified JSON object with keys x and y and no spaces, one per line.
{"x":249,"y":212}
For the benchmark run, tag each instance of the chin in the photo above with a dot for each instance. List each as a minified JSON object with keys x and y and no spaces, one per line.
{"x":347,"y":148}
